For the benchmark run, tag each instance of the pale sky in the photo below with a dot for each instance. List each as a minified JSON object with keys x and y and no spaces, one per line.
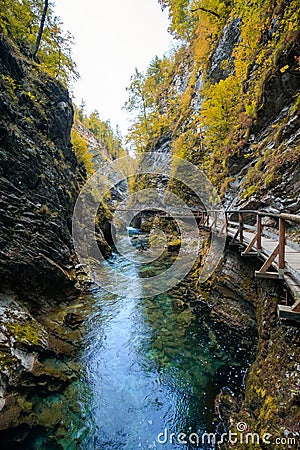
{"x":111,"y":39}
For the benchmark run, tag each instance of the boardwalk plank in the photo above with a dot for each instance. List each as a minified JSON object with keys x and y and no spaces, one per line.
{"x":292,"y":275}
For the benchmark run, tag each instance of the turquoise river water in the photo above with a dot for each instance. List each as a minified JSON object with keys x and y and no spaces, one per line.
{"x":150,"y":367}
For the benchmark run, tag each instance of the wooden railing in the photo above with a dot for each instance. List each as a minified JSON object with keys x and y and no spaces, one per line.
{"x":279,"y":250}
{"x":257,"y":241}
{"x":210,"y":219}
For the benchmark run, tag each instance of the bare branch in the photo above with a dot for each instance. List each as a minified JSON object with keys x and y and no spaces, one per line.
{"x":209,"y":11}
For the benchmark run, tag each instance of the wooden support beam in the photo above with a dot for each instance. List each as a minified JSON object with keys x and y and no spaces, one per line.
{"x":270,"y":275}
{"x":296,"y":307}
{"x":259,"y":232}
{"x":241,"y":227}
{"x":287,"y":312}
{"x":281,"y":250}
{"x":235,"y":236}
{"x":263,"y":271}
{"x":271,"y":258}
{"x":249,"y":247}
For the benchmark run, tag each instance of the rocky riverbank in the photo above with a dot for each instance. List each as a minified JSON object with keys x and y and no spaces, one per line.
{"x":39,"y":368}
{"x":247,"y":307}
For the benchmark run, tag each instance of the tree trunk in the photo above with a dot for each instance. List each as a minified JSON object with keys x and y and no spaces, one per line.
{"x":41,"y":29}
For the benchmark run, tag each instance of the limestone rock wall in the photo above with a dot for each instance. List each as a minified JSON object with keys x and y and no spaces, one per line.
{"x":38,"y":181}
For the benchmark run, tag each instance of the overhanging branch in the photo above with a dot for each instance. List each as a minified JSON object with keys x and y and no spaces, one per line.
{"x":209,"y":11}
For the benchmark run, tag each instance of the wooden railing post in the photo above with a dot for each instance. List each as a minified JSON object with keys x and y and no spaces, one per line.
{"x":259,"y":231}
{"x":226,"y":222}
{"x":281,"y":256}
{"x":241,"y":227}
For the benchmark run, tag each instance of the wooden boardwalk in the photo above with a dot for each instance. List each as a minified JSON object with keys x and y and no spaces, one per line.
{"x":281,"y":257}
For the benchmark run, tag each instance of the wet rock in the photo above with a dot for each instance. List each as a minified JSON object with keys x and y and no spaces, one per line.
{"x":200,"y":305}
{"x":73,"y":319}
{"x":225,"y":404}
{"x":223,"y":52}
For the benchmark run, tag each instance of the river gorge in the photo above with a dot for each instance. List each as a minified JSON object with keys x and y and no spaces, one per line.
{"x":102,"y":347}
{"x":144,"y":367}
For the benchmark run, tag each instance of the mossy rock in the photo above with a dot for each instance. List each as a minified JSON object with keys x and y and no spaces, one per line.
{"x":174,"y":245}
{"x":146,"y":226}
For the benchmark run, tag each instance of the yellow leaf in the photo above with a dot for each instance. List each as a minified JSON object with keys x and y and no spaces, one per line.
{"x":284,"y":68}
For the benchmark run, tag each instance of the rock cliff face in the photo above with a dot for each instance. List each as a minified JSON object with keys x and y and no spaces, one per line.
{"x":272,"y":147}
{"x":38,"y":189}
{"x":272,"y":144}
{"x":228,"y":99}
{"x":38,"y":181}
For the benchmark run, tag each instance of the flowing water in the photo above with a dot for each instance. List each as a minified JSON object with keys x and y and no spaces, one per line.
{"x":151,"y":367}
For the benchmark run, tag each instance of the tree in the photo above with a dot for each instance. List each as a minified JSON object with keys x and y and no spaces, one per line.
{"x":41,"y":29}
{"x":81,"y":110}
{"x":80,"y":147}
{"x":34,"y":29}
{"x":182,"y":21}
